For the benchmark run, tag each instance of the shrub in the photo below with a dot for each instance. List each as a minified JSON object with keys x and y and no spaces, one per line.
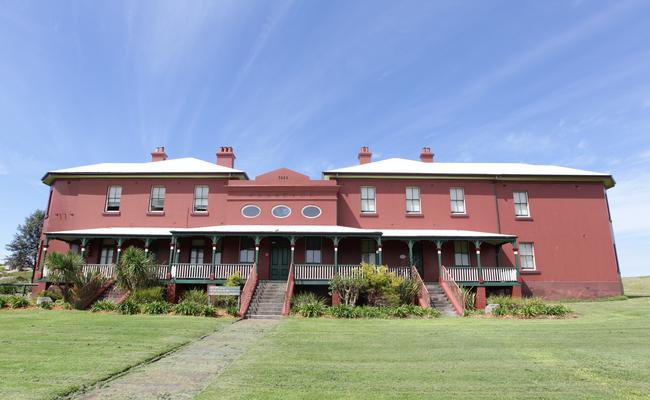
{"x":135,"y":270}
{"x":313,"y":310}
{"x":233,"y":310}
{"x":103,"y":305}
{"x":66,"y":269}
{"x":234,"y":280}
{"x":348,"y":287}
{"x":403,"y":311}
{"x":3,"y":301}
{"x":54,"y":293}
{"x":303,"y":298}
{"x":128,"y":307}
{"x":187,"y":307}
{"x":208,"y":311}
{"x":85,"y":289}
{"x":408,"y":290}
{"x":343,"y":311}
{"x":148,"y":295}
{"x":156,"y":307}
{"x":18,"y":302}
{"x":308,"y":305}
{"x":469,"y":298}
{"x":196,"y":296}
{"x":8,"y":289}
{"x":527,"y":308}
{"x":46,"y":305}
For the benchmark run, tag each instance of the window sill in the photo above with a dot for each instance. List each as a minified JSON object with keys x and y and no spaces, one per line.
{"x":156,"y":213}
{"x":529,"y":272}
{"x":111,"y":213}
{"x":465,"y":215}
{"x":523,"y":218}
{"x":414,"y":215}
{"x":200,"y":214}
{"x":369,"y":214}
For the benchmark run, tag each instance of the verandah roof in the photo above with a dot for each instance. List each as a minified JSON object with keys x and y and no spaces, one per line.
{"x":308,"y":230}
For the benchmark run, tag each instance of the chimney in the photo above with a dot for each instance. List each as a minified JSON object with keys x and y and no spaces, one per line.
{"x":365,"y":156}
{"x":226,"y":157}
{"x":159,"y":154}
{"x":426,"y":155}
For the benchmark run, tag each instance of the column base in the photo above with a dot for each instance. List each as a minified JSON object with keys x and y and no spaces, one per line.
{"x":171,"y":293}
{"x":336,"y":299}
{"x":481,"y":300}
{"x":516,"y":291}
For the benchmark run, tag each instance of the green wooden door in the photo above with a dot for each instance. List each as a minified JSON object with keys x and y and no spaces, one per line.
{"x":280,"y":257}
{"x":417,"y":258}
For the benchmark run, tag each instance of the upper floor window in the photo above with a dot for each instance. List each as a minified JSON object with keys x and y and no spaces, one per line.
{"x":461,"y":254}
{"x":312,"y":250}
{"x":113,"y":197}
{"x":413,"y":200}
{"x":246,"y":250}
{"x":157,"y":200}
{"x":457,"y":196}
{"x":368,"y":199}
{"x":527,"y":255}
{"x":281,"y":211}
{"x":250,"y":211}
{"x":201,"y":199}
{"x":368,"y":251}
{"x":311,"y":211}
{"x":521,"y":204}
{"x":196,"y":252}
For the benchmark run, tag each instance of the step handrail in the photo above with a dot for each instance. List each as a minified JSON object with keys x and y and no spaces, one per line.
{"x":288,"y":294}
{"x":248,"y":291}
{"x":424,"y":300}
{"x":452,"y":291}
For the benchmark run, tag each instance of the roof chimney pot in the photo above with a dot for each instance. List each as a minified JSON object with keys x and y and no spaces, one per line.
{"x":158,"y":154}
{"x":426,"y":155}
{"x":226,"y":157}
{"x":365,"y":156}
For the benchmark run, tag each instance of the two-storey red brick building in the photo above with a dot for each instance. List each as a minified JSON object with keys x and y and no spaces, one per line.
{"x":507,"y":228}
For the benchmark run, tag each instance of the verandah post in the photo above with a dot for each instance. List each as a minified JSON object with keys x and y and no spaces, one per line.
{"x":257,"y":252}
{"x":84,"y":241}
{"x":119,"y":250}
{"x":379,"y":251}
{"x":477,"y":244}
{"x":43,"y":257}
{"x":170,"y":259}
{"x":336,"y":254}
{"x":410,"y":245}
{"x":516,"y":289}
{"x":439,"y":250}
{"x":292,"y":241}
{"x":213,"y":262}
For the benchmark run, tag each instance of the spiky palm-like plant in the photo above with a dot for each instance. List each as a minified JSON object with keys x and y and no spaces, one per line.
{"x":135,"y":270}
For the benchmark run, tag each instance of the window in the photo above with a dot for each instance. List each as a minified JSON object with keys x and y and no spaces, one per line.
{"x":368,"y":199}
{"x":368,"y":251}
{"x":311,"y":211}
{"x":527,"y":256}
{"x":113,"y":198}
{"x":250,"y":211}
{"x":413,"y":200}
{"x":246,"y":250}
{"x":196,"y":252}
{"x":457,"y":196}
{"x":201,"y":199}
{"x":312,"y":250}
{"x":461,"y":254}
{"x":157,"y":201}
{"x":521,"y":204}
{"x":106,"y":256}
{"x":281,"y":211}
{"x":74,"y":248}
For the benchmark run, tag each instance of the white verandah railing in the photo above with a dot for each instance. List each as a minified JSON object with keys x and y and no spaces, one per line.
{"x":490,"y":274}
{"x":325,"y":272}
{"x":203,"y":271}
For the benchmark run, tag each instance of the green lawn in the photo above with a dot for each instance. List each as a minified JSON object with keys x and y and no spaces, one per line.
{"x":46,"y":353}
{"x":638,"y":286}
{"x":603,"y":353}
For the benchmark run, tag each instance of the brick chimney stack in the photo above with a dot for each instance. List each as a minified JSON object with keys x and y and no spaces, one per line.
{"x":365,"y":156}
{"x":159,"y":154}
{"x":226,"y":157}
{"x":426,"y":155}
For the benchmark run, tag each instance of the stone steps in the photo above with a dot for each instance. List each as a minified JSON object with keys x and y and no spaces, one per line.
{"x":268,"y":301}
{"x":439,"y":300}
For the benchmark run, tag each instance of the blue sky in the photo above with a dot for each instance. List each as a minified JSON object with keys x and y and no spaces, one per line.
{"x":304,"y":84}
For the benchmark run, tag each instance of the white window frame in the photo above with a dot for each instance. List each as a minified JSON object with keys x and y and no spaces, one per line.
{"x":280,"y":216}
{"x":104,"y":258}
{"x":202,"y":199}
{"x":527,"y":256}
{"x":157,"y":188}
{"x":455,"y":201}
{"x":461,"y":253}
{"x":521,"y":199}
{"x":413,"y":202}
{"x":259,"y":210}
{"x":368,"y":203}
{"x":114,"y":193}
{"x":310,"y":206}
{"x":197,"y":252}
{"x":247,"y":255}
{"x":313,"y":256}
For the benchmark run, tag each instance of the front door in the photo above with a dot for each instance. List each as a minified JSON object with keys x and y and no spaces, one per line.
{"x":280,"y":257}
{"x":417,"y":258}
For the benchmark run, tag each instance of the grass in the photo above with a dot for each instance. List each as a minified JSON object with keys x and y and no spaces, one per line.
{"x":19,"y":275}
{"x":49,"y":353}
{"x":603,"y":353}
{"x":638,"y":286}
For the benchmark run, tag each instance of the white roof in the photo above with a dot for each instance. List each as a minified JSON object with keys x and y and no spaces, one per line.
{"x":117,"y":231}
{"x":412,"y":167}
{"x":333,"y":229}
{"x":449,"y":233}
{"x":188,"y":165}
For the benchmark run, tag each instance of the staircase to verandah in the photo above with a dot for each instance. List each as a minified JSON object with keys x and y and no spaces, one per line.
{"x":439,"y":300}
{"x":268,"y":300}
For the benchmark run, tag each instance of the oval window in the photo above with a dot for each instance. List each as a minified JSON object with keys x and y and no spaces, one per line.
{"x":281,"y":211}
{"x":311,"y":211}
{"x":251,"y":211}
